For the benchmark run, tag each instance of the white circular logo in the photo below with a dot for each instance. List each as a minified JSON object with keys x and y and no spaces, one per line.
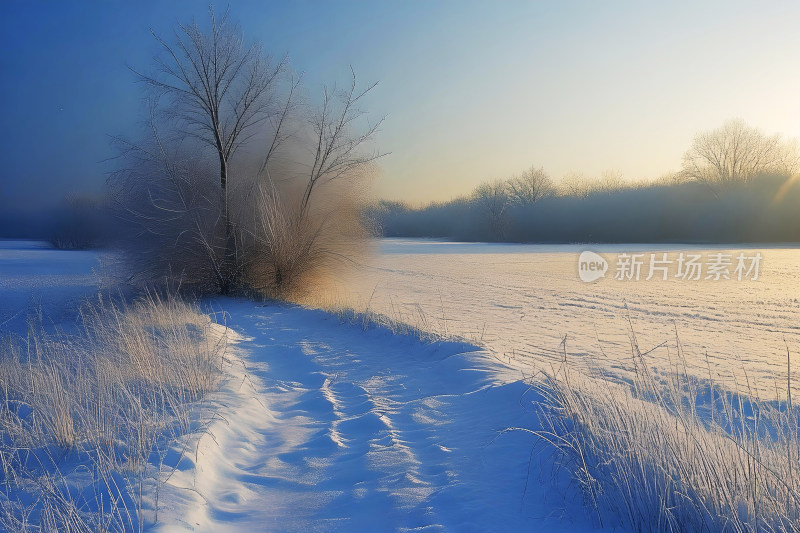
{"x":591,"y":266}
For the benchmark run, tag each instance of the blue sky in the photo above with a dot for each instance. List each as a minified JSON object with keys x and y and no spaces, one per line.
{"x":472,"y":90}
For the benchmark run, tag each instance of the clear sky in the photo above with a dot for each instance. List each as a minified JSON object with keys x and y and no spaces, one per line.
{"x":472,"y":90}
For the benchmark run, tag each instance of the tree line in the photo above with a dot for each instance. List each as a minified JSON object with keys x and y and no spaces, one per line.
{"x":736,"y":184}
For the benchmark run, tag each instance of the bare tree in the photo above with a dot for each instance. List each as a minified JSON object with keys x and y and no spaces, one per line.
{"x":337,"y":150}
{"x":610,"y":181}
{"x":220,"y":89}
{"x":211,"y":235}
{"x":736,"y":153}
{"x":493,"y":199}
{"x":292,"y":239}
{"x":530,"y":187}
{"x":575,"y":184}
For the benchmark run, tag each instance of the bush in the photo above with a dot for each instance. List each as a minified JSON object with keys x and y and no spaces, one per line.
{"x":288,"y":255}
{"x":175,"y":234}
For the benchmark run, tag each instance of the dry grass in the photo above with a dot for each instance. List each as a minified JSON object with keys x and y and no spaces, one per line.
{"x":86,"y":420}
{"x":290,"y":254}
{"x":406,"y":320}
{"x":685,"y":455}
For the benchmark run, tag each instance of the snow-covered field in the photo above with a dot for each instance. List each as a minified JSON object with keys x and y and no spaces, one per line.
{"x":33,"y":275}
{"x":324,"y":425}
{"x":521,"y":301}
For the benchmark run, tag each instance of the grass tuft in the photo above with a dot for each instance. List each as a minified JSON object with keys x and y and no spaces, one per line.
{"x":685,"y":455}
{"x":87,"y":420}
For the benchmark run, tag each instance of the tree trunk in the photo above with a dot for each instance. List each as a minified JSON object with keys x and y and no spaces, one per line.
{"x":229,"y":253}
{"x":223,"y":182}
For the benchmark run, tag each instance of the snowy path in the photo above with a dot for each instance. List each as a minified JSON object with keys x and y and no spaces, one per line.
{"x":338,"y":429}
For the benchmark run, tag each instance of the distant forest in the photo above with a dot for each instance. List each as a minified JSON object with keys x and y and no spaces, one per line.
{"x":763,"y":210}
{"x":736,"y":185}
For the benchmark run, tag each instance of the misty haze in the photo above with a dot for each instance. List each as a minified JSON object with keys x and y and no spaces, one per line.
{"x":444,"y":266}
